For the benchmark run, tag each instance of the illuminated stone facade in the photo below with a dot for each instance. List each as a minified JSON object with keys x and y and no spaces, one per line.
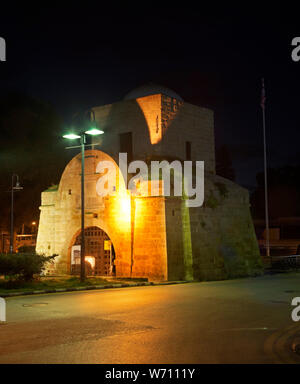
{"x":155,"y":237}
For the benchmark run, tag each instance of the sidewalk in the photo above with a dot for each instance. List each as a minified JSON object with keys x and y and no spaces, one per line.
{"x":91,"y":287}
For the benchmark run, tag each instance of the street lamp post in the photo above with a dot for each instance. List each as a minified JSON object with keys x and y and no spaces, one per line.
{"x":82,"y":248}
{"x":33,"y":227}
{"x":16,"y":187}
{"x":94,"y":132}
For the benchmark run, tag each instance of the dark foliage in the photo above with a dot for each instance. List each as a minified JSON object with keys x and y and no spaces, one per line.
{"x":26,"y":249}
{"x":31,"y":146}
{"x":283,"y":193}
{"x":23,"y":266}
{"x":224,"y":166}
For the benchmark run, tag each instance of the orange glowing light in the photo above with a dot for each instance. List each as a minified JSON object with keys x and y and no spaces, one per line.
{"x":148,"y":106}
{"x":91,"y":260}
{"x":125,"y":205}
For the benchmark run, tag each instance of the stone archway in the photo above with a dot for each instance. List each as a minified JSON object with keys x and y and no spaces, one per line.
{"x":99,"y":253}
{"x":136,"y":226}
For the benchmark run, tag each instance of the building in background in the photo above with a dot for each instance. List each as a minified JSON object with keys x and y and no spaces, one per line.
{"x":25,"y":242}
{"x":4,"y":241}
{"x":284,"y":236}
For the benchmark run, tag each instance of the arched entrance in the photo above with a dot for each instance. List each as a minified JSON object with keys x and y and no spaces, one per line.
{"x":99,"y":253}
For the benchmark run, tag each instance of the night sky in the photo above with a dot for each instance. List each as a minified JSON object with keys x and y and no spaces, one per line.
{"x":89,"y":55}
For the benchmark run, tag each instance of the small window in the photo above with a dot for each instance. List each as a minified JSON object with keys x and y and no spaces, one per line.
{"x":95,"y":215}
{"x":188,"y":150}
{"x":70,"y":191}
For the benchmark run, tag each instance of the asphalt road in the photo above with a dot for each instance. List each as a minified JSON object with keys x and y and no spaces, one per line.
{"x":237,"y":321}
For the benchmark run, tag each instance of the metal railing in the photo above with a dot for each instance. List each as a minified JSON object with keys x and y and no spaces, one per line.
{"x":285,"y":262}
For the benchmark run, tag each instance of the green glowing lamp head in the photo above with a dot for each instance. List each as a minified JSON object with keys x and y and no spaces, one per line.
{"x":71,"y":136}
{"x":94,"y":131}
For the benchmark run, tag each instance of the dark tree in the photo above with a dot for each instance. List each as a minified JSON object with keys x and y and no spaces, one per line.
{"x":283,"y":193}
{"x":30,"y":146}
{"x":224,"y":166}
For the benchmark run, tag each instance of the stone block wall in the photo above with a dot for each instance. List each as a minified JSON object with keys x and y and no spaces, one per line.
{"x":224,"y":244}
{"x":184,"y":122}
{"x":160,"y":126}
{"x":149,"y":241}
{"x":179,"y":242}
{"x":46,"y":230}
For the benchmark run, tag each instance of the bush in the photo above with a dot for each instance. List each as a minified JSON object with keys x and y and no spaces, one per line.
{"x":26,"y":249}
{"x":23,"y":266}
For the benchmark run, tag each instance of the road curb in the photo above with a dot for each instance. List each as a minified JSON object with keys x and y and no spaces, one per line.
{"x":92,"y":287}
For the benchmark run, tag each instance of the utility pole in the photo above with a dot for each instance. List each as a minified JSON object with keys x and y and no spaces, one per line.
{"x":82,"y":249}
{"x":17,"y":187}
{"x":94,"y":131}
{"x":263,"y":100}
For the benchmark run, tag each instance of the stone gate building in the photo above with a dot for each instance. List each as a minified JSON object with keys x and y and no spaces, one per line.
{"x":135,"y":235}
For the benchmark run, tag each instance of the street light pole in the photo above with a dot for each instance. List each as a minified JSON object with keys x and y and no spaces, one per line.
{"x":263,"y":102}
{"x":17,"y":187}
{"x":11,"y":245}
{"x":93,"y":131}
{"x":82,"y":248}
